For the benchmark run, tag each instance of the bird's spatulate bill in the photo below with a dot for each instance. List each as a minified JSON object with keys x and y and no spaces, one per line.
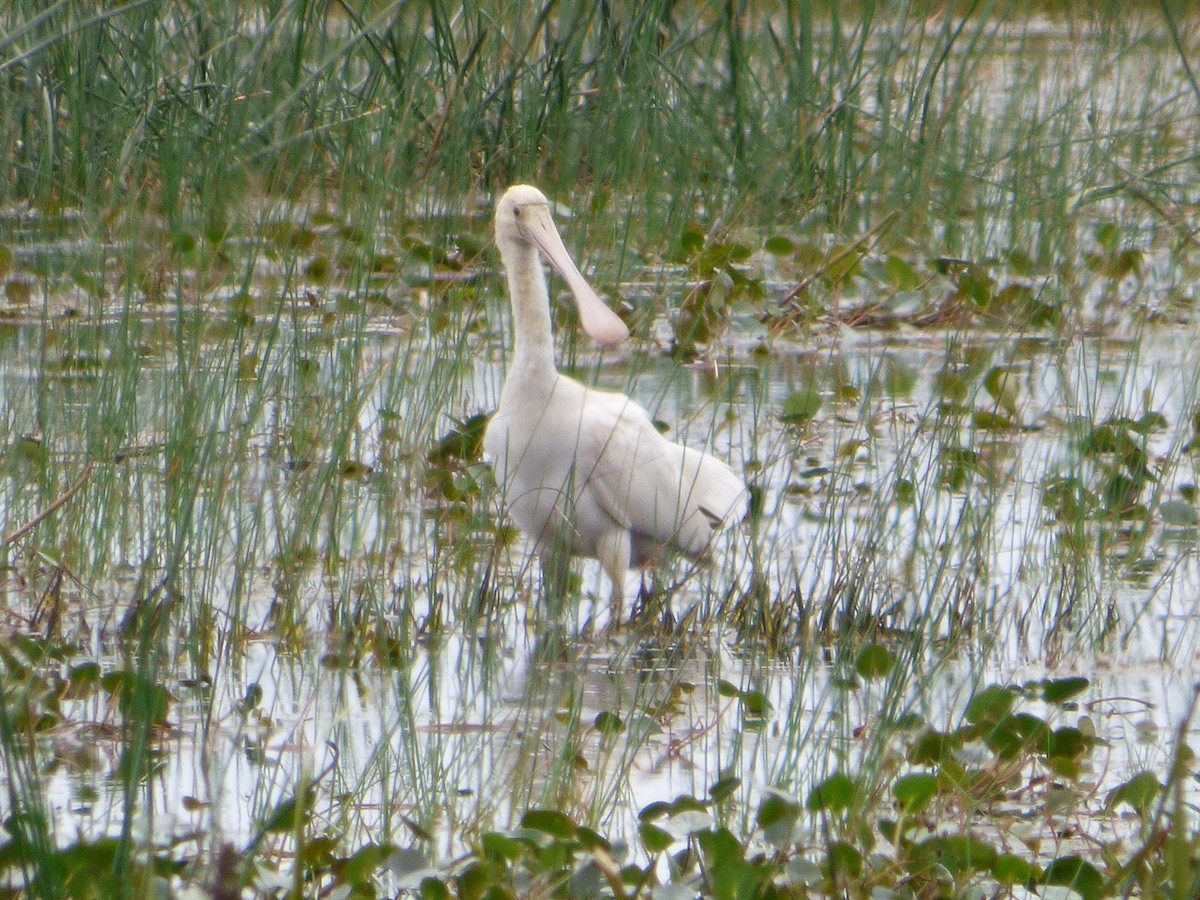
{"x":601,"y":324}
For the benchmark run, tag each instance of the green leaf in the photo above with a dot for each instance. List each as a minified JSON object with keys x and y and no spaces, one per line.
{"x":1004,"y":389}
{"x":549,"y":821}
{"x":755,"y":704}
{"x":720,"y":847}
{"x":933,"y":747}
{"x":290,"y":814}
{"x":727,"y":689}
{"x":361,"y":866}
{"x":900,"y":274}
{"x":654,"y":839}
{"x":802,"y":871}
{"x":958,"y":853}
{"x":874,"y":662}
{"x":1060,"y":690}
{"x":800,"y":406}
{"x":609,"y":723}
{"x":844,"y":860}
{"x":723,"y":788}
{"x":989,"y":706}
{"x":501,"y":846}
{"x":656,"y":810}
{"x":691,"y":242}
{"x":834,"y":793}
{"x":778,"y":245}
{"x":913,"y":792}
{"x":899,"y":378}
{"x":464,"y":442}
{"x":1139,"y":792}
{"x":1077,"y":874}
{"x":1067,"y":742}
{"x":1004,"y":738}
{"x":1107,"y":234}
{"x":1010,"y":869}
{"x":777,"y":816}
{"x":985,"y":420}
{"x":1179,"y":513}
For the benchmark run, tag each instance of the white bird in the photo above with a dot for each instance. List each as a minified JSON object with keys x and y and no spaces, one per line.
{"x":585,"y":472}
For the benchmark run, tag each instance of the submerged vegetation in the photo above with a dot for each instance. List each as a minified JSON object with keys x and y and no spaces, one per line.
{"x":926,"y":275}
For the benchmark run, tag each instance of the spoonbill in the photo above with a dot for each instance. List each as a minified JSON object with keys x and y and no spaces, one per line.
{"x":585,"y":472}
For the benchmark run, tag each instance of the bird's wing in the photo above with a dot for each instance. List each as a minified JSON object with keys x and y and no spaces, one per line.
{"x":662,"y":492}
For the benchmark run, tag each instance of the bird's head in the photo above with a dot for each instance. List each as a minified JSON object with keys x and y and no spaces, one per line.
{"x":523,"y":221}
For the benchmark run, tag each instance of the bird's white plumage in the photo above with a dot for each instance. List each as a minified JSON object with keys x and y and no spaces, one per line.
{"x":585,"y":471}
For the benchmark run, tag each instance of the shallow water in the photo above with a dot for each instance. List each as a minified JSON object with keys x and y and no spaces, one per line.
{"x":496,"y":699}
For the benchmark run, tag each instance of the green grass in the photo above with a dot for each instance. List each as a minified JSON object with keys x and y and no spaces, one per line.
{"x":916,"y":270}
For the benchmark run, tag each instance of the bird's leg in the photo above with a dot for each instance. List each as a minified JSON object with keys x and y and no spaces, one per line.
{"x":650,"y":596}
{"x":613,"y":551}
{"x":643,"y":597}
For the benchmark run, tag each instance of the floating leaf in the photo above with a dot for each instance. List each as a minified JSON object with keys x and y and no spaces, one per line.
{"x":1075,"y":873}
{"x":463,"y":443}
{"x":778,"y":245}
{"x":727,"y":689}
{"x":1004,"y":388}
{"x":899,"y":378}
{"x":351,"y":469}
{"x":655,"y":810}
{"x":609,"y":723}
{"x":933,"y":747}
{"x":953,"y":385}
{"x":1010,"y":869}
{"x":1127,"y":262}
{"x":654,"y":839}
{"x":1067,"y":742}
{"x":1106,"y":235}
{"x":1060,"y":690}
{"x":975,"y":285}
{"x":318,"y":269}
{"x":800,"y":406}
{"x":989,"y":706}
{"x":845,"y":861}
{"x":723,"y":788}
{"x":720,"y":847}
{"x":957,"y":853}
{"x":874,"y":662}
{"x":913,"y":792}
{"x":985,"y":420}
{"x":1179,"y":513}
{"x":901,"y":275}
{"x":501,"y":846}
{"x":549,"y":821}
{"x":1150,"y":421}
{"x":777,"y":817}
{"x":834,"y":793}
{"x":755,"y":703}
{"x":1139,"y":792}
{"x":18,"y":292}
{"x":842,"y":264}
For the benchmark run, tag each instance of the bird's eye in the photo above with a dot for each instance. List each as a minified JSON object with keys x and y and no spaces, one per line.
{"x":517,"y":211}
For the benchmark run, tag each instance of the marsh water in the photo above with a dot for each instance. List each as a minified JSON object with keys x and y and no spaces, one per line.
{"x":485,"y":691}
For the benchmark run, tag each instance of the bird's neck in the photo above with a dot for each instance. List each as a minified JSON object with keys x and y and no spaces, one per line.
{"x":533,"y":345}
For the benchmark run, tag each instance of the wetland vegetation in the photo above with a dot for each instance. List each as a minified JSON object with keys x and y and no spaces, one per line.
{"x":925,"y":274}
